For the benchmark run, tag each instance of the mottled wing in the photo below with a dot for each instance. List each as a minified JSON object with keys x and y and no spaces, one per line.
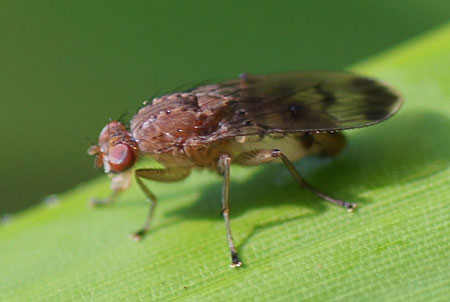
{"x":301,"y":102}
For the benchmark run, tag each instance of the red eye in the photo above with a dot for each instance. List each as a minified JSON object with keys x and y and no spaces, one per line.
{"x":121,"y":157}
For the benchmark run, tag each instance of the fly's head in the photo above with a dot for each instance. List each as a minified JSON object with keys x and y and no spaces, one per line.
{"x":116,"y":151}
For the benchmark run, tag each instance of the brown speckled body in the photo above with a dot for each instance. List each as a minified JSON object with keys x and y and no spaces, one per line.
{"x":174,"y":129}
{"x":181,"y":130}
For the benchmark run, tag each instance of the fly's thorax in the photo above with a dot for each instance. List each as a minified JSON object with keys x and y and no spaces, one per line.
{"x":172,"y":121}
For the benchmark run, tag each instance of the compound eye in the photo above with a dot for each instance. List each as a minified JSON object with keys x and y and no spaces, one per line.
{"x":121,"y":157}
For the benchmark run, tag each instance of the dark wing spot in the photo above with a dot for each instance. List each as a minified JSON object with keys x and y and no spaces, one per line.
{"x":327,"y":96}
{"x":374,"y":92}
{"x":380,"y":95}
{"x":298,"y":111}
{"x":295,"y":110}
{"x":378,"y":99}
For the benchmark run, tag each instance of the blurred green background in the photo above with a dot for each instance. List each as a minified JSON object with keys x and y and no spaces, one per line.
{"x":66,"y":67}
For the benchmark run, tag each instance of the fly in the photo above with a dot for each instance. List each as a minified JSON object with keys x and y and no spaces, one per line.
{"x":247,"y":121}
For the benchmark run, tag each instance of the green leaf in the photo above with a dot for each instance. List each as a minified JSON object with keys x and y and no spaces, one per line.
{"x":295,"y":247}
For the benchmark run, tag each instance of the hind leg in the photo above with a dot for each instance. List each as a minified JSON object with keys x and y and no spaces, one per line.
{"x":257,"y":157}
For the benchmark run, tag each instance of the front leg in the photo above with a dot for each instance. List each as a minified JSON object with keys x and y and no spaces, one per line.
{"x":119,"y":182}
{"x":161,"y":175}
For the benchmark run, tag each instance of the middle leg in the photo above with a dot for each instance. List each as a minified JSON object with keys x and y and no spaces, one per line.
{"x":224,"y":164}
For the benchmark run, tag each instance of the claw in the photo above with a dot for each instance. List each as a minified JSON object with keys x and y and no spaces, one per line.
{"x":139,"y":235}
{"x":235,"y":262}
{"x":351,"y":207}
